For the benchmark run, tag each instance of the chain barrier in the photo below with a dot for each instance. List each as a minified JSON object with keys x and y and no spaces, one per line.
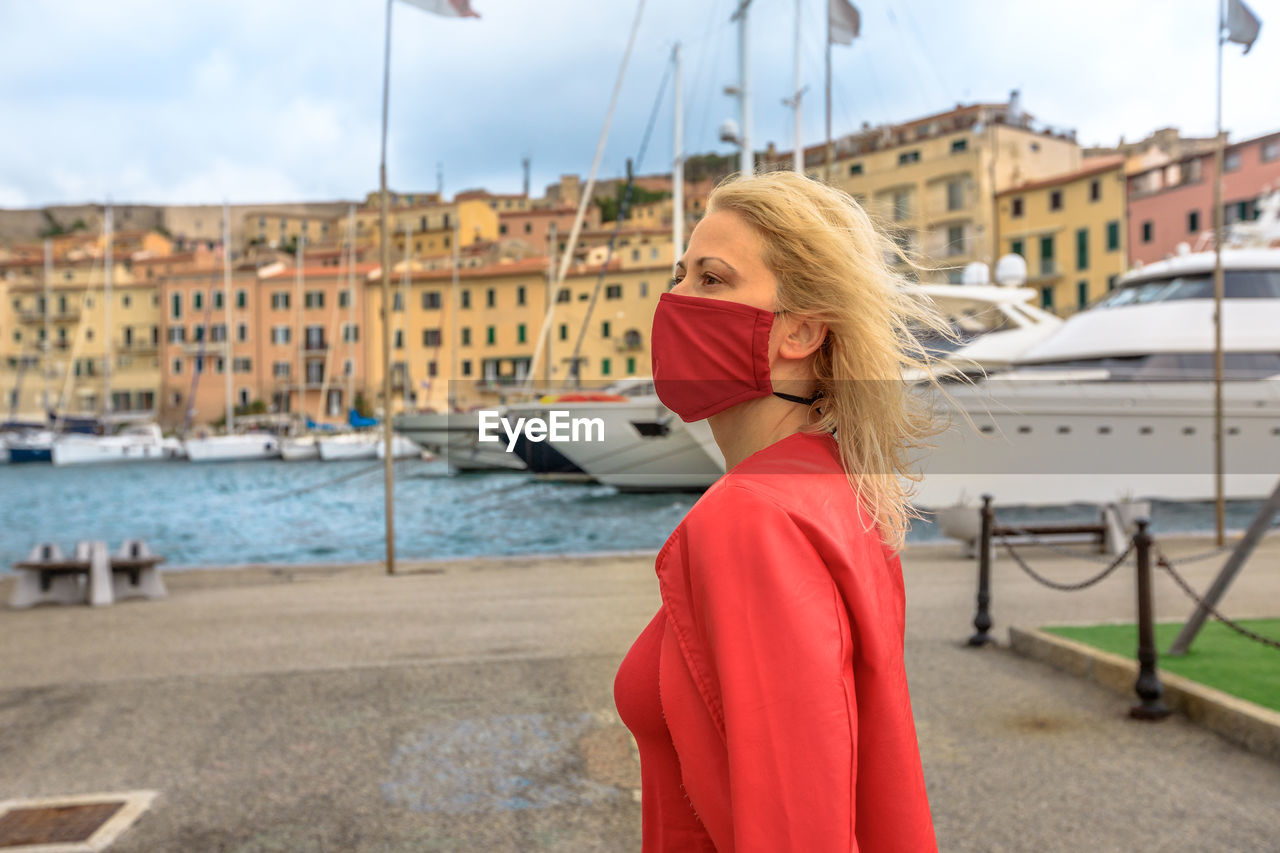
{"x":1057,"y":549}
{"x":1163,"y":562}
{"x":1065,"y":587}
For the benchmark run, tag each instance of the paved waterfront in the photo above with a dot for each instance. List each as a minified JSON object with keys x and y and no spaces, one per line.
{"x":468,"y":706}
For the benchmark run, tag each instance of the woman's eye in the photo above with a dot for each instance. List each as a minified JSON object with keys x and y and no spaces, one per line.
{"x":709,"y":279}
{"x":675,"y":279}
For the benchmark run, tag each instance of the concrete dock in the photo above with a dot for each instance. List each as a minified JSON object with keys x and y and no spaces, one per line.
{"x":468,"y":705}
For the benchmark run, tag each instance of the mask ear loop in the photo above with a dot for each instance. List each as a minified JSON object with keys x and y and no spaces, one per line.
{"x":804,"y":401}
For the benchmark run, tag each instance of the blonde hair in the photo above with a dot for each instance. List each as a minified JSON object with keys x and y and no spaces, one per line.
{"x":835,"y":265}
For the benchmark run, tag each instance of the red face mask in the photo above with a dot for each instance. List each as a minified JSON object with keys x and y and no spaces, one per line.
{"x":710,"y":354}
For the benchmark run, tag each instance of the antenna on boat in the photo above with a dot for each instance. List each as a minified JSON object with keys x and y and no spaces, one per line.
{"x":228,"y":362}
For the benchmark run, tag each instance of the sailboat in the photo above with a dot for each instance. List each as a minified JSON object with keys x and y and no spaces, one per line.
{"x":230,"y":447}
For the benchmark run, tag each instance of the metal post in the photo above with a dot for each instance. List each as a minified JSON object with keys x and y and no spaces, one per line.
{"x":677,"y":160}
{"x":1219,"y":453}
{"x":1148,"y":687}
{"x":747,"y":164}
{"x":982,"y":619}
{"x":388,"y":468}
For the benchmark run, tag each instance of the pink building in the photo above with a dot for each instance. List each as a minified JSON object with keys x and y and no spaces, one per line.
{"x":1173,"y":203}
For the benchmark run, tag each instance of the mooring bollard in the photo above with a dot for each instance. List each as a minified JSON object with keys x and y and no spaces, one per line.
{"x":982,"y":619}
{"x":1148,"y":687}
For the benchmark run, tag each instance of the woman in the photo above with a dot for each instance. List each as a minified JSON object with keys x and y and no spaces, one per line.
{"x":768,"y":696}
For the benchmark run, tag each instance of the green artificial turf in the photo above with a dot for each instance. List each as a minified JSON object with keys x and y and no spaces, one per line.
{"x":1219,"y":657}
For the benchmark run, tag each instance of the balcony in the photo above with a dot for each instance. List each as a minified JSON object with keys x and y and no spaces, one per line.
{"x":315,"y":347}
{"x":33,"y":318}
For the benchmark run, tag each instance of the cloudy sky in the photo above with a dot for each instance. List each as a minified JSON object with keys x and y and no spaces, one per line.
{"x":272,"y":100}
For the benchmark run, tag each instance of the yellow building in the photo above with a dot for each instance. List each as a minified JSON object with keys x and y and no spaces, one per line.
{"x":279,"y":229}
{"x":932,"y":181}
{"x":487,"y":345}
{"x":58,"y":336}
{"x":428,"y":227}
{"x":1071,"y":230}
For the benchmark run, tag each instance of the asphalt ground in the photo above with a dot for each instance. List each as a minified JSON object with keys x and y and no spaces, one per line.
{"x":468,"y":705}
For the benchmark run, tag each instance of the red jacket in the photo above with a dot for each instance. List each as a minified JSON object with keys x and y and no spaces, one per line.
{"x":780,"y":669}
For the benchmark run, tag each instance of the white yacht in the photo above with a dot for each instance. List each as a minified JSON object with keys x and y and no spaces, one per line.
{"x":1120,"y":401}
{"x":238,"y":447}
{"x":300,"y":448}
{"x":136,"y":443}
{"x":453,"y":437}
{"x":402,"y":447}
{"x":349,"y":445}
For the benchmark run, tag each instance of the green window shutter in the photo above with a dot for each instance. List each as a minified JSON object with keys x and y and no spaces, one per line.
{"x":1082,"y":249}
{"x":1113,"y":236}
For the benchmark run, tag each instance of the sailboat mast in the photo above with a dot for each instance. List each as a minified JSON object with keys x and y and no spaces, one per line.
{"x":677,"y":160}
{"x":453,"y":314}
{"x":106,"y":323}
{"x":404,"y":305}
{"x":798,"y":155}
{"x":48,"y":339}
{"x":297,"y":296}
{"x":748,"y":162}
{"x":228,"y":363}
{"x":349,"y":337}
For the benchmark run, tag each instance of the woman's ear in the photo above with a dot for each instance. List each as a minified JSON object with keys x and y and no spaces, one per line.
{"x":801,"y":337}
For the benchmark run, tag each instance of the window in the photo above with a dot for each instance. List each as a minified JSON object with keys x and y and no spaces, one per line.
{"x":466,"y":299}
{"x":562,"y":295}
{"x":908,"y":157}
{"x":218,"y":333}
{"x":855,"y":168}
{"x":242,"y":332}
{"x":955,"y":194}
{"x":466,"y":336}
{"x":1046,"y":256}
{"x":242,"y":299}
{"x":1111,"y":282}
{"x":1082,"y":249}
{"x":432,"y":369}
{"x":197,"y":333}
{"x":244,"y":396}
{"x":397,"y":301}
{"x":315,"y":372}
{"x":959,"y":145}
{"x":901,"y":205}
{"x":217,"y":299}
{"x":1113,"y":236}
{"x":490,"y":298}
{"x":1231,"y":161}
{"x":490,"y":335}
{"x":126,"y":301}
{"x":1147,"y":232}
{"x":613,"y":291}
{"x":1015,"y":208}
{"x":1095,"y":190}
{"x":177,"y":367}
{"x":280,"y":334}
{"x":241,"y":365}
{"x":399,"y":339}
{"x":520,"y":333}
{"x":1270,"y":150}
{"x":466,"y":367}
{"x":313,"y":299}
{"x":279,"y":300}
{"x":350,"y":332}
{"x":175,"y":306}
{"x":1082,"y":294}
{"x":177,"y":334}
{"x":348,"y":366}
{"x":197,"y":300}
{"x":564,"y":332}
{"x":604,"y":329}
{"x":604,"y":367}
{"x":431,"y":337}
{"x":280,"y":370}
{"x":344,"y":298}
{"x":430,"y":300}
{"x":1193,"y":221}
{"x":955,"y":240}
{"x":520,"y":295}
{"x":1055,"y":200}
{"x":1016,"y":247}
{"x":1046,"y":298}
{"x":631,"y":366}
{"x":644,"y":289}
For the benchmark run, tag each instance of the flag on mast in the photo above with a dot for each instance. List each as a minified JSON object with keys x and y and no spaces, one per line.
{"x":448,"y":8}
{"x":842,"y":21}
{"x":1241,"y":25}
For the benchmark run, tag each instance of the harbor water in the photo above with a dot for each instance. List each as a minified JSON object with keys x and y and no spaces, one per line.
{"x":329,"y":512}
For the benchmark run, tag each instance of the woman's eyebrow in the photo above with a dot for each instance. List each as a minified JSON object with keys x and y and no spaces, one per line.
{"x":703,"y":262}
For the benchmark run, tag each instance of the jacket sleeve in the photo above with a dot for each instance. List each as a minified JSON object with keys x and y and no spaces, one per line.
{"x":779,"y":642}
